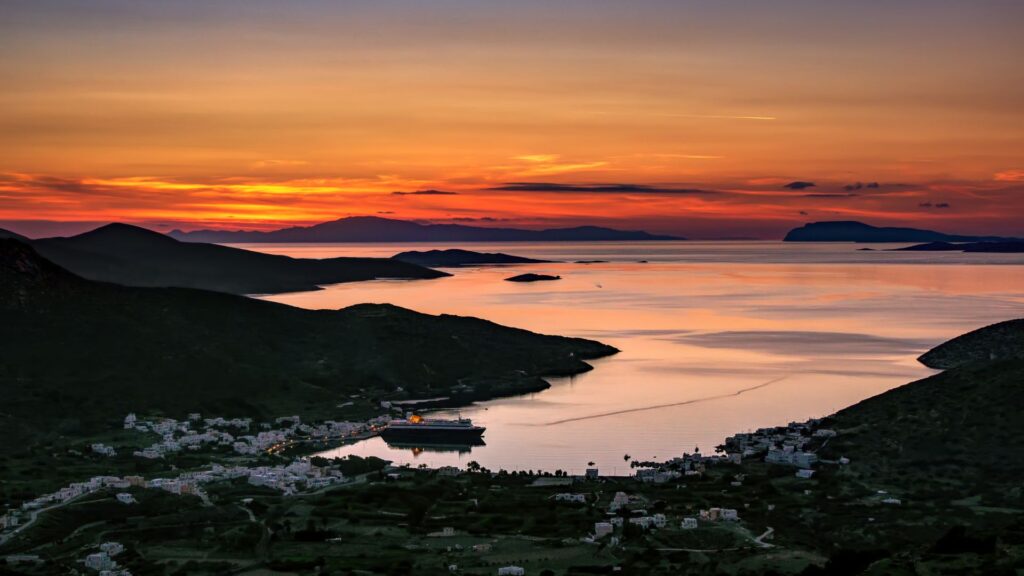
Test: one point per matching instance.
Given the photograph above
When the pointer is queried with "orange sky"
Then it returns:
(674, 116)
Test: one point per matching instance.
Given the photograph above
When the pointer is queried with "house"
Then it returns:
(892, 501)
(804, 473)
(574, 498)
(481, 548)
(620, 500)
(125, 498)
(511, 571)
(602, 529)
(592, 474)
(99, 561)
(448, 531)
(688, 524)
(112, 548)
(129, 421)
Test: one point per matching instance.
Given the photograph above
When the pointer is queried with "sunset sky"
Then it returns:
(673, 116)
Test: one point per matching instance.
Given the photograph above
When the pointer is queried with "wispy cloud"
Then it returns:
(430, 192)
(617, 188)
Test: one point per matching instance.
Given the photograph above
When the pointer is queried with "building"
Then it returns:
(804, 473)
(574, 498)
(592, 474)
(511, 571)
(688, 524)
(99, 561)
(112, 548)
(125, 498)
(602, 529)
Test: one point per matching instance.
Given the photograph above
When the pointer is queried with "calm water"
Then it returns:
(716, 337)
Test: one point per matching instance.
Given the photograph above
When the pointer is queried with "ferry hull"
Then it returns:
(467, 436)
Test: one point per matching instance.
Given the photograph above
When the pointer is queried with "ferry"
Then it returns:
(417, 428)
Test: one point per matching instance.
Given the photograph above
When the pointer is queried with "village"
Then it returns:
(626, 511)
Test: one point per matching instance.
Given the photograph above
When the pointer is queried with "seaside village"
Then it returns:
(793, 446)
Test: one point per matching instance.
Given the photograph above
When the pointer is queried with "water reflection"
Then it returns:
(420, 447)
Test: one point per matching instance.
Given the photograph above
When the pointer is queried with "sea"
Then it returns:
(715, 337)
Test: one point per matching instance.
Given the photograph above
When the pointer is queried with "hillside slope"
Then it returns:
(1001, 341)
(135, 256)
(79, 354)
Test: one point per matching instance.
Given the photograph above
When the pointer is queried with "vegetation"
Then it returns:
(78, 355)
(134, 256)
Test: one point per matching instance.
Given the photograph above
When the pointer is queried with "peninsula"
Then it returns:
(135, 256)
(852, 231)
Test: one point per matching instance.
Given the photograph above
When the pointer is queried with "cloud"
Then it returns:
(942, 205)
(829, 195)
(939, 205)
(803, 213)
(860, 185)
(538, 157)
(1010, 176)
(425, 193)
(594, 188)
(798, 185)
(925, 205)
(480, 219)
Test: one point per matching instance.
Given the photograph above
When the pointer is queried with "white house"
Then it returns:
(125, 498)
(688, 523)
(602, 529)
(804, 473)
(511, 571)
(112, 548)
(99, 561)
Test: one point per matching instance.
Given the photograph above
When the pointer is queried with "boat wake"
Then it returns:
(669, 405)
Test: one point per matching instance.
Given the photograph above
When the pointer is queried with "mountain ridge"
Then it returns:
(376, 229)
(854, 231)
(134, 256)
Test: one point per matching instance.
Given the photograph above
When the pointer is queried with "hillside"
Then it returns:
(374, 229)
(852, 231)
(79, 354)
(135, 256)
(454, 258)
(955, 432)
(1009, 247)
(1002, 341)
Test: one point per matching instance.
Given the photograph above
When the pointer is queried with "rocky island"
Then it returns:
(532, 278)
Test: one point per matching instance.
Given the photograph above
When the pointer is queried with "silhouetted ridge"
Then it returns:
(135, 256)
(376, 229)
(853, 231)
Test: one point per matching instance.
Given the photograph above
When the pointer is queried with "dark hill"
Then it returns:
(1002, 341)
(532, 278)
(135, 256)
(952, 435)
(851, 231)
(1008, 247)
(77, 355)
(9, 234)
(454, 258)
(373, 229)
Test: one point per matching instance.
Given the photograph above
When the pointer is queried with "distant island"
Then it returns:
(134, 256)
(852, 231)
(454, 258)
(532, 278)
(374, 229)
(1007, 247)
